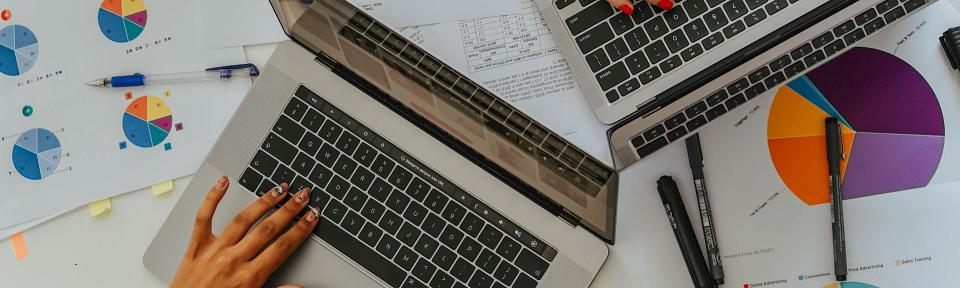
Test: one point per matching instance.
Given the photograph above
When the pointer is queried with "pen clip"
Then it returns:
(843, 151)
(225, 71)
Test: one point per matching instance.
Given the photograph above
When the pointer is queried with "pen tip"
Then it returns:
(95, 83)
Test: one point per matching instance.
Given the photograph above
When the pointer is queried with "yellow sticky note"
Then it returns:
(162, 187)
(19, 246)
(100, 207)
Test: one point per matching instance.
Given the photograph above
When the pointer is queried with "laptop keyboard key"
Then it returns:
(735, 9)
(264, 163)
(283, 175)
(597, 60)
(713, 41)
(352, 222)
(454, 213)
(391, 222)
(716, 112)
(717, 98)
(406, 258)
(654, 132)
(676, 41)
(250, 180)
(656, 28)
(370, 234)
(652, 146)
(481, 280)
(636, 62)
(588, 17)
(612, 76)
(462, 270)
(506, 273)
(426, 246)
(617, 49)
(408, 234)
(735, 102)
(508, 249)
(695, 7)
(532, 264)
(671, 64)
(330, 131)
(295, 108)
(472, 224)
(594, 38)
(364, 256)
(524, 281)
(715, 19)
(398, 201)
(372, 211)
(433, 225)
(844, 28)
(388, 246)
(488, 261)
(696, 109)
(777, 6)
(636, 38)
(490, 236)
(424, 269)
(676, 17)
(657, 51)
(696, 123)
(415, 214)
(442, 280)
(444, 258)
(628, 87)
(691, 52)
(734, 29)
(670, 123)
(834, 47)
(400, 177)
(676, 134)
(621, 22)
(451, 236)
(279, 148)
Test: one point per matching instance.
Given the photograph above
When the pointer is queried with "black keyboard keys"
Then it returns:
(588, 17)
(531, 263)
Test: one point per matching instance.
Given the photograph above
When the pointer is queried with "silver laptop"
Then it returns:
(422, 176)
(659, 76)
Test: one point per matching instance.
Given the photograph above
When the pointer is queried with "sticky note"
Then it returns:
(162, 187)
(19, 246)
(100, 207)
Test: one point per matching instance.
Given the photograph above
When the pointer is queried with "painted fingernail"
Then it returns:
(301, 196)
(665, 4)
(313, 216)
(223, 181)
(277, 191)
(626, 9)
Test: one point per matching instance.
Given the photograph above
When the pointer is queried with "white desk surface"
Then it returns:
(75, 250)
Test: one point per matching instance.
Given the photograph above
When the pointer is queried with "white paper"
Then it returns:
(517, 57)
(231, 23)
(767, 236)
(88, 120)
(406, 13)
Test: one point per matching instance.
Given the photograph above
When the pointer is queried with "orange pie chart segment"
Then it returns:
(802, 164)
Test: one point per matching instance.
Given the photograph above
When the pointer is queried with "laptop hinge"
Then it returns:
(569, 217)
(328, 62)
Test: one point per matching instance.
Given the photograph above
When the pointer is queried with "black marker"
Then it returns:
(695, 155)
(677, 214)
(834, 155)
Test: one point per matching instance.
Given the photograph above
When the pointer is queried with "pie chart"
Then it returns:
(122, 20)
(18, 50)
(36, 154)
(147, 121)
(892, 126)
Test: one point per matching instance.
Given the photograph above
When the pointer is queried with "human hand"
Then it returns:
(626, 6)
(237, 258)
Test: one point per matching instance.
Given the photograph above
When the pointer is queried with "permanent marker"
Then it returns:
(686, 238)
(695, 155)
(834, 155)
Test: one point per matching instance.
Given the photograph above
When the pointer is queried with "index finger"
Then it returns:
(201, 226)
(281, 249)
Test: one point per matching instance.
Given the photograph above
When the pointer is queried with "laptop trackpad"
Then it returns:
(313, 265)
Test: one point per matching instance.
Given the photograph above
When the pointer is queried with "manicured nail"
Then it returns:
(302, 195)
(222, 182)
(278, 191)
(665, 4)
(313, 216)
(626, 9)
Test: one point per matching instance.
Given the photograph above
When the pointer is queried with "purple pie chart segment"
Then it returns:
(877, 92)
(882, 163)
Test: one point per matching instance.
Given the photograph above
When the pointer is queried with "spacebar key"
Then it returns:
(360, 253)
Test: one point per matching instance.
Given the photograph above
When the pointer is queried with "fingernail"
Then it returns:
(223, 181)
(312, 216)
(626, 9)
(665, 4)
(301, 196)
(278, 191)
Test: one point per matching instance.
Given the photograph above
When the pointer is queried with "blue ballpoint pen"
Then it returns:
(215, 73)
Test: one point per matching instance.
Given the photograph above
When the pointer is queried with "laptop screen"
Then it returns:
(550, 170)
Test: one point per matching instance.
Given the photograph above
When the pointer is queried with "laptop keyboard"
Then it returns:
(627, 52)
(388, 212)
(772, 74)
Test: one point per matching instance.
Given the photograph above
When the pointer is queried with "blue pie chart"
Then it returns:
(18, 50)
(36, 154)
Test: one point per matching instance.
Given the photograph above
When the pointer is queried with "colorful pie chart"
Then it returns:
(147, 121)
(122, 21)
(18, 50)
(892, 126)
(36, 154)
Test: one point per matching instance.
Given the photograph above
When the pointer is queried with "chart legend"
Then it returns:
(19, 49)
(122, 21)
(36, 154)
(892, 127)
